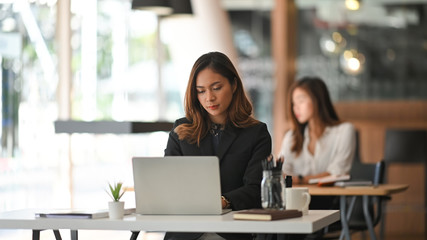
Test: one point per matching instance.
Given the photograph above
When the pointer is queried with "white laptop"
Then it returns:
(177, 185)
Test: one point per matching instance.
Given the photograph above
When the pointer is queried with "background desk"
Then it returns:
(315, 220)
(365, 192)
(380, 190)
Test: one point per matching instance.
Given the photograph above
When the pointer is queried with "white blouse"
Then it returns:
(334, 152)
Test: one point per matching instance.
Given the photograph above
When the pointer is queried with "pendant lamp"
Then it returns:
(160, 7)
(181, 7)
(164, 7)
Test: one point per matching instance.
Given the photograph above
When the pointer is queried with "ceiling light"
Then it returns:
(160, 7)
(181, 7)
(164, 7)
(352, 4)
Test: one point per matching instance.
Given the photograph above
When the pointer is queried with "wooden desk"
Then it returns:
(25, 219)
(380, 190)
(362, 191)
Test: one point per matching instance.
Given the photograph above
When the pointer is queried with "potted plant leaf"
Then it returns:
(116, 207)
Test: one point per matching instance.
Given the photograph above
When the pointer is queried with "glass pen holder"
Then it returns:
(272, 190)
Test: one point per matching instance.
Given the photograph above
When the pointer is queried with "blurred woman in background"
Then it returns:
(319, 144)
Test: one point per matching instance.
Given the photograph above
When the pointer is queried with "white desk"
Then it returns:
(25, 219)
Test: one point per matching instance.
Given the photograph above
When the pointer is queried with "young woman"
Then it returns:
(219, 122)
(319, 143)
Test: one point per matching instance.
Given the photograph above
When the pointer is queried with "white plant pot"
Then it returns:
(116, 210)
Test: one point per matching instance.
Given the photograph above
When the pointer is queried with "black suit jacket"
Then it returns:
(240, 152)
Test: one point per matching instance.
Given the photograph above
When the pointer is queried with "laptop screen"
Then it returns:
(177, 185)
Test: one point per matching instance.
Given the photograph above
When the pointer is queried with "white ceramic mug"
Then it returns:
(298, 198)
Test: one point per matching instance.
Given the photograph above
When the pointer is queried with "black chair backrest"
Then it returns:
(357, 157)
(379, 176)
(366, 171)
(374, 172)
(405, 145)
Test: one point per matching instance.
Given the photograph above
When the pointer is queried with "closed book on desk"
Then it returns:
(353, 183)
(266, 214)
(328, 180)
(78, 213)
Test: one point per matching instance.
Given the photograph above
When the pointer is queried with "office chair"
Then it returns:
(407, 146)
(367, 172)
(374, 172)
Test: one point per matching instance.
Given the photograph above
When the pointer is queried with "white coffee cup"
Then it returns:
(298, 198)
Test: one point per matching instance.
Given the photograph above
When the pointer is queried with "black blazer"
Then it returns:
(240, 152)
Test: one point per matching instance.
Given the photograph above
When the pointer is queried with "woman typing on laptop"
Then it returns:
(219, 122)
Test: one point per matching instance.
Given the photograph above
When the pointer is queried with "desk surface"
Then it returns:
(380, 190)
(315, 220)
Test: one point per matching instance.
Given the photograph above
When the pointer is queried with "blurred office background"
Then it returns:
(104, 61)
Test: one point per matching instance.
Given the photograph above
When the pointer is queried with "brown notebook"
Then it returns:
(266, 214)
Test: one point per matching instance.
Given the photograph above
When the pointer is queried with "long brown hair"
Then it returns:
(239, 112)
(323, 111)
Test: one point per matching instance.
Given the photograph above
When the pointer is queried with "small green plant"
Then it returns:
(116, 191)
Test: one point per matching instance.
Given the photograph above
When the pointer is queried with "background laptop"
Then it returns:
(177, 185)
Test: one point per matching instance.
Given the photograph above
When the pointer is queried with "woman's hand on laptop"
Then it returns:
(224, 202)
